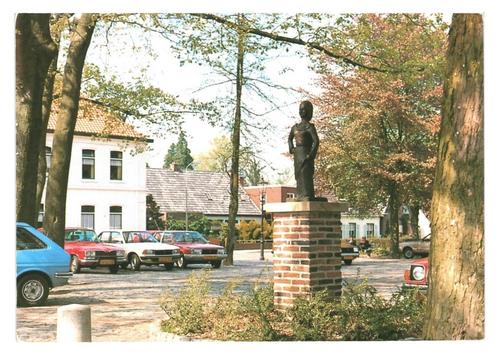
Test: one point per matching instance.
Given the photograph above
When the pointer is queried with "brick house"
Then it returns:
(352, 225)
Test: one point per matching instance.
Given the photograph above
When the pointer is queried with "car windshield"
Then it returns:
(138, 236)
(189, 236)
(80, 235)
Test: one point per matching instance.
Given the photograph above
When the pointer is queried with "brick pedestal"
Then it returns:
(306, 249)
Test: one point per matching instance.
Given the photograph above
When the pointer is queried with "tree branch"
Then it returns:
(297, 41)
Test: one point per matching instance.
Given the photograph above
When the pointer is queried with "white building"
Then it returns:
(357, 227)
(107, 176)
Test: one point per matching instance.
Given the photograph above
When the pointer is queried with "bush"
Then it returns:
(311, 318)
(258, 305)
(359, 314)
(364, 315)
(186, 313)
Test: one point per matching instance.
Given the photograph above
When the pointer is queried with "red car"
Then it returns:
(194, 247)
(417, 275)
(86, 252)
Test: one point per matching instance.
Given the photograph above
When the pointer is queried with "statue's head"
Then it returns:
(306, 110)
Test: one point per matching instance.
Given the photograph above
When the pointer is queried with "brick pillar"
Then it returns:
(306, 249)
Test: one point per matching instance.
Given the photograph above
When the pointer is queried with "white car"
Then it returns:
(141, 248)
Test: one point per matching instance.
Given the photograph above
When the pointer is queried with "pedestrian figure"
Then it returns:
(304, 151)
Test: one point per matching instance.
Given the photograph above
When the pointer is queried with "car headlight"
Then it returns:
(195, 251)
(221, 251)
(120, 253)
(90, 254)
(355, 249)
(176, 252)
(418, 273)
(147, 252)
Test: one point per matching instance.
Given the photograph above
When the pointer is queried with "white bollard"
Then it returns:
(74, 323)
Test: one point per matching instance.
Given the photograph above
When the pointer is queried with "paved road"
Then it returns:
(124, 305)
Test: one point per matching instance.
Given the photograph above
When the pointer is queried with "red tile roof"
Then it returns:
(94, 120)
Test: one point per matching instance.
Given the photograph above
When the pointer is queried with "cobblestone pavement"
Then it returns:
(125, 305)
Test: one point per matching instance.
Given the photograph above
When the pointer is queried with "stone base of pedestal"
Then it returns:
(306, 250)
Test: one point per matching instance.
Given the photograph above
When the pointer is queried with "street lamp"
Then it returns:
(262, 201)
(186, 196)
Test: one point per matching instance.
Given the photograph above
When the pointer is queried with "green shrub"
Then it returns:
(186, 314)
(258, 305)
(225, 315)
(311, 318)
(362, 314)
(359, 314)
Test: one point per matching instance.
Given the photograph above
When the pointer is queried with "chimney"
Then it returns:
(174, 167)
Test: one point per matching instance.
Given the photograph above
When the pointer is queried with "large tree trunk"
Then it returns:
(414, 223)
(34, 51)
(46, 109)
(55, 199)
(234, 171)
(455, 307)
(394, 207)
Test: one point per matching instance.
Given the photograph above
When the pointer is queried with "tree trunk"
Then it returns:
(455, 308)
(414, 211)
(55, 199)
(394, 219)
(46, 109)
(234, 171)
(34, 51)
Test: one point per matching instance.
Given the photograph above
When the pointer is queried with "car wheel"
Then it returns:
(216, 264)
(114, 269)
(181, 263)
(135, 262)
(169, 266)
(32, 290)
(408, 252)
(348, 262)
(75, 264)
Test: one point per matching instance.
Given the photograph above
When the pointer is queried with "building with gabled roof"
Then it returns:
(206, 193)
(106, 184)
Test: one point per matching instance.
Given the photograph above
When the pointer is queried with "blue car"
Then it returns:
(41, 265)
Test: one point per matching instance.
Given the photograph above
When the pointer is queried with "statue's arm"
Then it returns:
(291, 140)
(316, 142)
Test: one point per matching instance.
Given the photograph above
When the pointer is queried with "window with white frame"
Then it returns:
(88, 216)
(48, 156)
(88, 164)
(115, 217)
(116, 165)
(290, 195)
(370, 229)
(352, 230)
(41, 215)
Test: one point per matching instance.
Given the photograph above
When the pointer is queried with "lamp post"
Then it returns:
(186, 196)
(262, 200)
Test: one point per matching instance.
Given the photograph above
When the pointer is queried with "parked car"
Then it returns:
(416, 276)
(410, 248)
(86, 251)
(348, 252)
(195, 248)
(141, 248)
(41, 266)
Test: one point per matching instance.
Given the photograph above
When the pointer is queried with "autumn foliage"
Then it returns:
(379, 130)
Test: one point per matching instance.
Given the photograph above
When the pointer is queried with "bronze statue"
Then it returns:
(304, 151)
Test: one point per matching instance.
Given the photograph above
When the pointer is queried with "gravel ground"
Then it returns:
(125, 306)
